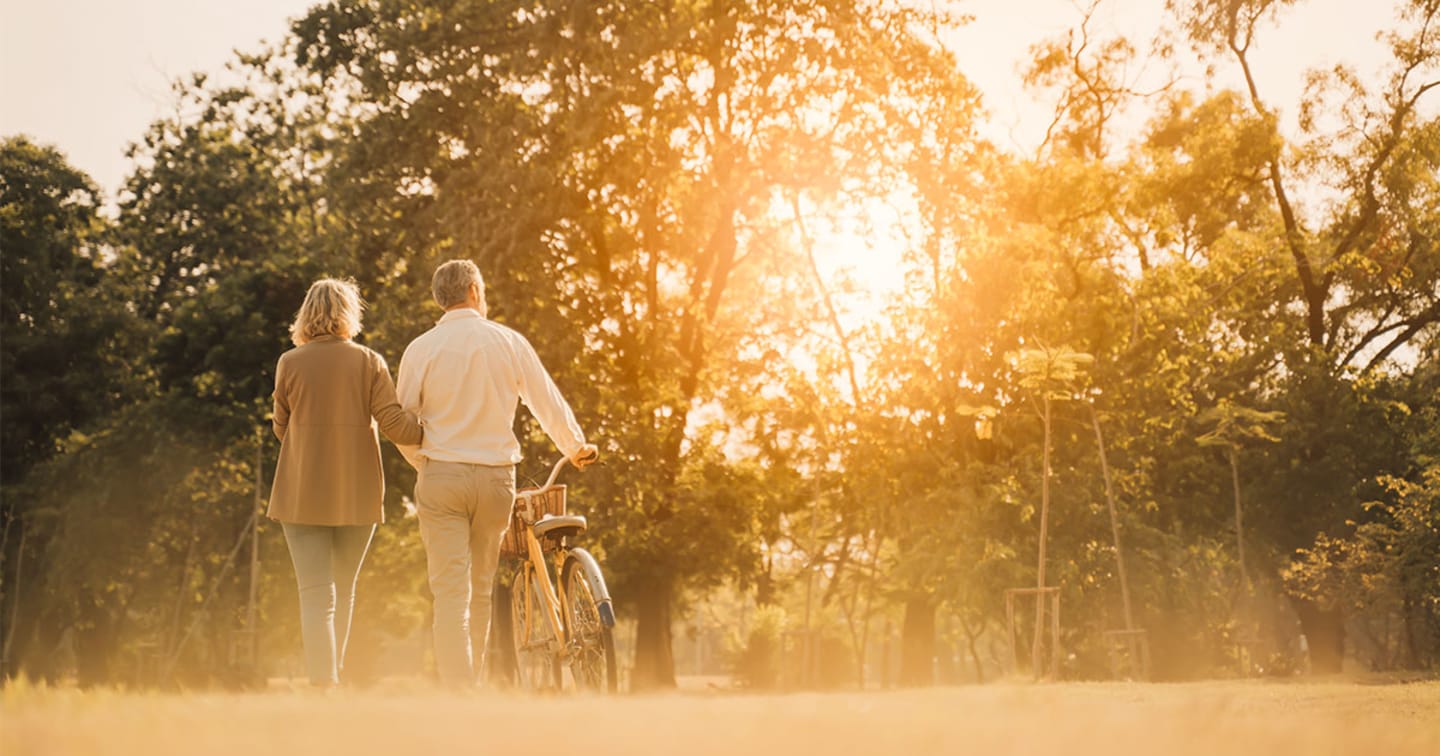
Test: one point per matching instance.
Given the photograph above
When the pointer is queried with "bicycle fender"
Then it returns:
(597, 581)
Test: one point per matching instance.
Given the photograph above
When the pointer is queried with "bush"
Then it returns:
(757, 663)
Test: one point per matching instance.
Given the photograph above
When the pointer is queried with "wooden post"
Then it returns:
(251, 616)
(225, 568)
(1133, 648)
(1137, 643)
(1010, 618)
(1114, 522)
(1055, 635)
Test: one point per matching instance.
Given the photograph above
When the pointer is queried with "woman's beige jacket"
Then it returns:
(330, 395)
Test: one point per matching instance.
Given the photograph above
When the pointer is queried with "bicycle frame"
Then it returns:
(555, 606)
(556, 603)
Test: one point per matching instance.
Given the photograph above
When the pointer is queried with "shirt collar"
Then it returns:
(326, 337)
(460, 313)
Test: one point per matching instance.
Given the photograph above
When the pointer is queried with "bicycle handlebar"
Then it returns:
(555, 471)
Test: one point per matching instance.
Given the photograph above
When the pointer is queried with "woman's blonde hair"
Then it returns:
(332, 308)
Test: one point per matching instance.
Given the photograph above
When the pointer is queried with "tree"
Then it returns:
(1051, 374)
(59, 327)
(1385, 194)
(63, 340)
(1385, 568)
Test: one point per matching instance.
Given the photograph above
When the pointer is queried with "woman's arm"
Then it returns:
(280, 419)
(398, 424)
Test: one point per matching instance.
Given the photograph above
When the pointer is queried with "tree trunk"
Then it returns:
(654, 660)
(971, 635)
(917, 643)
(765, 583)
(1239, 514)
(1044, 527)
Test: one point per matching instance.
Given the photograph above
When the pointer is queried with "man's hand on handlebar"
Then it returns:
(584, 456)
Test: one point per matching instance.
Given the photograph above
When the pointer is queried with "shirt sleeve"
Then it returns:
(398, 424)
(280, 418)
(407, 389)
(542, 396)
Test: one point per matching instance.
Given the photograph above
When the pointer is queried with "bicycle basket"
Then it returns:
(551, 502)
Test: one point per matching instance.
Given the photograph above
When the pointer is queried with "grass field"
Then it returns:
(1073, 719)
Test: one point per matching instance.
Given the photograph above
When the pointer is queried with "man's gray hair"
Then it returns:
(451, 284)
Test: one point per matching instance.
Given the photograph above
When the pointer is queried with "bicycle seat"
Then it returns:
(559, 526)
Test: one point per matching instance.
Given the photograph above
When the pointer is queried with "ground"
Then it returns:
(1076, 719)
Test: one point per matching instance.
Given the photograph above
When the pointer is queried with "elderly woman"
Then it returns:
(330, 394)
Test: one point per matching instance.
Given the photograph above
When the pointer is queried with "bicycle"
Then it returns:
(550, 632)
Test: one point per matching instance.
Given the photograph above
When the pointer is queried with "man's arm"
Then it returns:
(407, 389)
(542, 396)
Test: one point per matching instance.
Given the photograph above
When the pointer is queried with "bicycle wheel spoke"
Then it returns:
(592, 654)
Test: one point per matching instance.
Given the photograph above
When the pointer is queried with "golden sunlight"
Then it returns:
(860, 256)
(1007, 376)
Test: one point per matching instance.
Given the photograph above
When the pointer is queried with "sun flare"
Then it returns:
(860, 254)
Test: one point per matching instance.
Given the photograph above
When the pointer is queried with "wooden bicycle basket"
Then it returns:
(551, 502)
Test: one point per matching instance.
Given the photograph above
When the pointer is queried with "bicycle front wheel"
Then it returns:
(592, 644)
(537, 666)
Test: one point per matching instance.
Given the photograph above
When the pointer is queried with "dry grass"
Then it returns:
(1073, 719)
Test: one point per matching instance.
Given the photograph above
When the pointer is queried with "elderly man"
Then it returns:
(463, 378)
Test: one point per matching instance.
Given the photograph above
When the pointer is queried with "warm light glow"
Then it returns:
(860, 251)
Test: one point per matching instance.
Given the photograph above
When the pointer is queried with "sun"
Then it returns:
(860, 255)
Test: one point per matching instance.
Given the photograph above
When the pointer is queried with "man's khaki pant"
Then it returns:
(464, 510)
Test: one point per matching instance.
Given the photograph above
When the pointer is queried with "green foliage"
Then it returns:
(1385, 570)
(61, 326)
(1052, 372)
(1232, 425)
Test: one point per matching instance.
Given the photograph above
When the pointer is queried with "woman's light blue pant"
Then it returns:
(327, 563)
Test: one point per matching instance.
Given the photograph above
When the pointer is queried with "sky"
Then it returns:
(88, 76)
(1315, 33)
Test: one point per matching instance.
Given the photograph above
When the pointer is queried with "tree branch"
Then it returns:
(1414, 326)
(1314, 292)
(830, 310)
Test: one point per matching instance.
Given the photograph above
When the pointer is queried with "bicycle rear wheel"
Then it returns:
(537, 666)
(592, 644)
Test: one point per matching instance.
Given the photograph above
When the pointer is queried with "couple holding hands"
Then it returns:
(451, 415)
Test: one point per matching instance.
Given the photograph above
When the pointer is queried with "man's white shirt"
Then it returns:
(463, 379)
